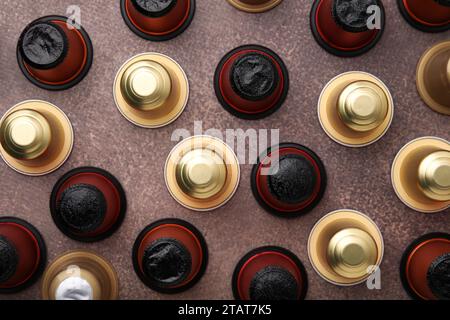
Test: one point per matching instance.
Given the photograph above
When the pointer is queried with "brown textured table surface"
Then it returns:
(358, 178)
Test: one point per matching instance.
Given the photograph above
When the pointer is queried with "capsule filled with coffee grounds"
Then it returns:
(170, 256)
(158, 20)
(54, 53)
(251, 82)
(88, 204)
(347, 28)
(426, 15)
(269, 274)
(425, 267)
(23, 254)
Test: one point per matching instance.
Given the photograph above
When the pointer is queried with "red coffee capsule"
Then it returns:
(426, 15)
(88, 204)
(54, 54)
(251, 82)
(289, 180)
(269, 273)
(23, 254)
(170, 256)
(158, 20)
(425, 267)
(342, 27)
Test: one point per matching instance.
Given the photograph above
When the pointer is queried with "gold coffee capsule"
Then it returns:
(80, 275)
(202, 173)
(355, 109)
(36, 137)
(151, 90)
(345, 247)
(433, 77)
(421, 174)
(255, 6)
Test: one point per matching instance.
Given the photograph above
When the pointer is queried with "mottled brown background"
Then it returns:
(358, 178)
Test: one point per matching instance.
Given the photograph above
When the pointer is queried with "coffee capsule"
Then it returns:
(433, 77)
(426, 15)
(151, 90)
(355, 109)
(88, 204)
(421, 174)
(202, 173)
(251, 82)
(345, 247)
(158, 20)
(425, 267)
(170, 256)
(80, 275)
(23, 255)
(254, 6)
(54, 53)
(36, 137)
(288, 180)
(347, 28)
(270, 274)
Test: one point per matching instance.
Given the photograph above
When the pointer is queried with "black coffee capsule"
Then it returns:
(54, 53)
(170, 256)
(347, 28)
(269, 274)
(158, 20)
(88, 204)
(289, 180)
(23, 255)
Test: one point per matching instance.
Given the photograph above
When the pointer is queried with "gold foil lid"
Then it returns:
(202, 173)
(36, 137)
(433, 77)
(25, 134)
(254, 6)
(355, 109)
(363, 106)
(420, 174)
(345, 247)
(151, 90)
(351, 252)
(80, 275)
(434, 175)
